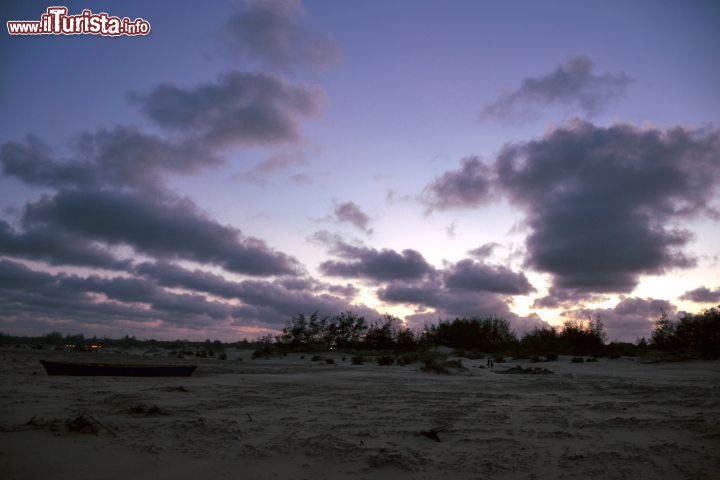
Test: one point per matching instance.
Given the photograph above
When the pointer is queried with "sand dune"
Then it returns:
(292, 418)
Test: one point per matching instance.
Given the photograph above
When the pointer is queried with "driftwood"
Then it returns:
(432, 434)
(518, 370)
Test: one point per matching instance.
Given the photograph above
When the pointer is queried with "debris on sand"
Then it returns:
(518, 370)
(177, 389)
(81, 424)
(146, 410)
(384, 457)
(432, 434)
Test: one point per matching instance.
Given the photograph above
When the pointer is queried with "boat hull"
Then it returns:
(116, 369)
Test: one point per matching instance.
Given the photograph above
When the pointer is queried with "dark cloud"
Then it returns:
(33, 163)
(126, 156)
(347, 291)
(572, 83)
(275, 301)
(630, 319)
(238, 109)
(601, 202)
(156, 225)
(158, 297)
(467, 288)
(484, 251)
(380, 265)
(351, 213)
(448, 302)
(53, 299)
(270, 32)
(120, 157)
(57, 248)
(702, 295)
(469, 186)
(475, 276)
(372, 264)
(566, 298)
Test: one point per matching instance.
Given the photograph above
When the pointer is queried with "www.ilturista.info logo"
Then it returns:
(56, 21)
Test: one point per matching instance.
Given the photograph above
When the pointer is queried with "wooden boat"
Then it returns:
(117, 369)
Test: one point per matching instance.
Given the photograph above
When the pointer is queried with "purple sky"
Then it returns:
(247, 161)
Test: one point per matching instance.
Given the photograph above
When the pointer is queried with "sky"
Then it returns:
(250, 160)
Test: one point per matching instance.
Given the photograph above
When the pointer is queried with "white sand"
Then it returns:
(290, 418)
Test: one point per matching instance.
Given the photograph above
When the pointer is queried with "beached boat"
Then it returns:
(117, 369)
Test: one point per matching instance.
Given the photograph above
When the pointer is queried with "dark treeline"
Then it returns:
(691, 333)
(79, 341)
(697, 335)
(349, 331)
(694, 335)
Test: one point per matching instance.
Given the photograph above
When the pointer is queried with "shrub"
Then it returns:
(577, 360)
(540, 342)
(385, 360)
(489, 334)
(264, 351)
(699, 333)
(382, 334)
(432, 365)
(551, 357)
(439, 366)
(316, 358)
(359, 360)
(222, 356)
(583, 338)
(330, 361)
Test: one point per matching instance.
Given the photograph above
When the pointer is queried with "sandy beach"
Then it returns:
(288, 417)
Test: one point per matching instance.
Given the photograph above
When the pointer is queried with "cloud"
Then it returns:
(448, 302)
(484, 251)
(238, 109)
(350, 212)
(475, 276)
(300, 179)
(271, 33)
(119, 157)
(266, 168)
(275, 301)
(32, 162)
(371, 264)
(566, 298)
(469, 186)
(145, 302)
(57, 248)
(379, 265)
(49, 299)
(630, 319)
(572, 83)
(702, 295)
(601, 201)
(158, 225)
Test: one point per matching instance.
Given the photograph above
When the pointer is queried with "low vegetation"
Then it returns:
(388, 341)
